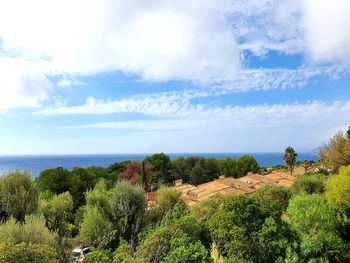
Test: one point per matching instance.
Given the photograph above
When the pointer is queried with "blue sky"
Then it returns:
(172, 76)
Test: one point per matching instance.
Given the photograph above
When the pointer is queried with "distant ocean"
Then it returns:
(37, 163)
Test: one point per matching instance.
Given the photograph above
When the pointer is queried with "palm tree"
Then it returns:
(289, 158)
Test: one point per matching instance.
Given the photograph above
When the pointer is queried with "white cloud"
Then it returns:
(22, 84)
(170, 103)
(160, 40)
(237, 129)
(318, 29)
(326, 24)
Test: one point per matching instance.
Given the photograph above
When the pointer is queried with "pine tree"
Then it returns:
(143, 176)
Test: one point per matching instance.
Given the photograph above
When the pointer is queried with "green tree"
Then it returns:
(289, 158)
(57, 211)
(177, 224)
(338, 189)
(96, 228)
(337, 152)
(124, 253)
(117, 168)
(80, 180)
(55, 180)
(144, 181)
(18, 195)
(228, 167)
(246, 164)
(312, 219)
(243, 231)
(184, 249)
(308, 184)
(161, 168)
(99, 256)
(272, 199)
(128, 203)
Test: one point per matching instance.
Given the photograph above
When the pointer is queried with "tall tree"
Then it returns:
(161, 168)
(18, 195)
(246, 164)
(143, 176)
(311, 217)
(290, 157)
(128, 203)
(337, 152)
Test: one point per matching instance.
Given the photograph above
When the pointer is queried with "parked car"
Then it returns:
(78, 254)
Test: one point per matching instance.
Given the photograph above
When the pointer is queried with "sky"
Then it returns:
(146, 76)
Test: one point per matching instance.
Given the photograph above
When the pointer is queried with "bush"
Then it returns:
(27, 252)
(308, 184)
(99, 256)
(32, 231)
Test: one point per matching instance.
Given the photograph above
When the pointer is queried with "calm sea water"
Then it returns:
(37, 163)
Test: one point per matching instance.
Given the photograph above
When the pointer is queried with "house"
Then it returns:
(232, 186)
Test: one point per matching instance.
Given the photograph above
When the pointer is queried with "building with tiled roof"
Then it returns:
(232, 186)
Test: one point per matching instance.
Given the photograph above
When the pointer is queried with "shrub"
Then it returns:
(27, 252)
(32, 231)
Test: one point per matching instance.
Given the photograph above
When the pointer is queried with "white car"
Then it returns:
(78, 254)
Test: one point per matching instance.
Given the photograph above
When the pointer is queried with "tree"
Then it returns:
(246, 164)
(96, 228)
(18, 195)
(308, 184)
(80, 180)
(161, 168)
(133, 171)
(290, 158)
(57, 210)
(312, 219)
(337, 152)
(128, 203)
(338, 189)
(228, 167)
(55, 180)
(99, 255)
(117, 168)
(124, 253)
(272, 199)
(163, 240)
(144, 181)
(184, 249)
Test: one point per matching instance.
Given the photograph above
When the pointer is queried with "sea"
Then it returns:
(37, 163)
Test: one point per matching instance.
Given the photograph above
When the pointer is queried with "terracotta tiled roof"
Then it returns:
(231, 186)
(213, 186)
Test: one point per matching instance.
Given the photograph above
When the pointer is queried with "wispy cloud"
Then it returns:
(177, 102)
(312, 114)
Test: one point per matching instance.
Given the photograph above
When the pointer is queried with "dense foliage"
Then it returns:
(105, 208)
